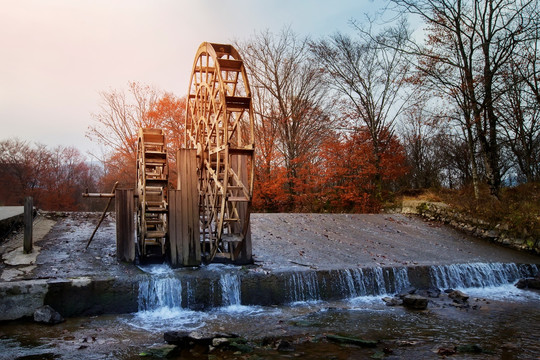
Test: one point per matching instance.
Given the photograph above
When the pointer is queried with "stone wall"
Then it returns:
(438, 211)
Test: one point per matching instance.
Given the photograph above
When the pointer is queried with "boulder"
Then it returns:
(351, 340)
(159, 351)
(415, 302)
(177, 337)
(458, 296)
(284, 345)
(192, 338)
(529, 283)
(46, 314)
(392, 301)
(406, 292)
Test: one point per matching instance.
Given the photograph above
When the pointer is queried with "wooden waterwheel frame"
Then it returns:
(220, 125)
(152, 183)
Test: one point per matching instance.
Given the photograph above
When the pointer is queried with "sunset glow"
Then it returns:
(58, 55)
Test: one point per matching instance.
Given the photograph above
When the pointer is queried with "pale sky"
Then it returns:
(57, 55)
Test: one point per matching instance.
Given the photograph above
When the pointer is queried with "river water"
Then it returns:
(500, 322)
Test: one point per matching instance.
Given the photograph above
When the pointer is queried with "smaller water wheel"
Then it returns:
(152, 183)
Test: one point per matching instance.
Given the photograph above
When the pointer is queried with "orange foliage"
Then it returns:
(345, 176)
(55, 178)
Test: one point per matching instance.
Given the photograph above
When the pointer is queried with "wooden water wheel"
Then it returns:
(219, 124)
(152, 183)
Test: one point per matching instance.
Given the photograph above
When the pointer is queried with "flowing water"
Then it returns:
(502, 321)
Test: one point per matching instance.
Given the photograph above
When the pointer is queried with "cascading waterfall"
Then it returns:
(189, 291)
(303, 286)
(230, 289)
(166, 291)
(373, 281)
(476, 275)
(158, 292)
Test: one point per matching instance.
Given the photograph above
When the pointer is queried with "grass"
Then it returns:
(517, 211)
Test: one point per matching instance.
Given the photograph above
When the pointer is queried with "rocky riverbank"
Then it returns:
(497, 233)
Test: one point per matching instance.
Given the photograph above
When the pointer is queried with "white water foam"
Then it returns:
(303, 286)
(230, 289)
(508, 293)
(162, 292)
(475, 275)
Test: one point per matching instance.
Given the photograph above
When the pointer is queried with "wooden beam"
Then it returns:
(28, 222)
(125, 226)
(104, 212)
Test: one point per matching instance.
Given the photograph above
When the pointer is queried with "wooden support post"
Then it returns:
(125, 226)
(28, 220)
(185, 249)
(243, 252)
(104, 213)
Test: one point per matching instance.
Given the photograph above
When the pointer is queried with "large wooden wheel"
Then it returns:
(152, 182)
(219, 124)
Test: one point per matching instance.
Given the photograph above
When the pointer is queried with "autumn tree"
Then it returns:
(22, 167)
(119, 119)
(55, 178)
(349, 176)
(291, 105)
(370, 78)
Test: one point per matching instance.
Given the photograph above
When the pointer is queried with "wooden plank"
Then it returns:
(125, 226)
(28, 224)
(230, 64)
(243, 251)
(186, 220)
(173, 231)
(191, 220)
(195, 249)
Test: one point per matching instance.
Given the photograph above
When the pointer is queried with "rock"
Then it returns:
(159, 351)
(415, 302)
(46, 314)
(470, 349)
(458, 296)
(177, 337)
(284, 345)
(392, 301)
(240, 345)
(184, 338)
(351, 340)
(218, 342)
(406, 292)
(430, 293)
(445, 351)
(529, 283)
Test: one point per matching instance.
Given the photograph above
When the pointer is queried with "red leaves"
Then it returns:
(346, 176)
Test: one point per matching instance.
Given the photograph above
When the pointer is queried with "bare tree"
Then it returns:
(420, 133)
(120, 117)
(291, 100)
(520, 116)
(474, 40)
(369, 73)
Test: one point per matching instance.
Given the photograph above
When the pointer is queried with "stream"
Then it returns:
(499, 321)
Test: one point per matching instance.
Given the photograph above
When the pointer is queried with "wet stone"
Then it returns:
(47, 315)
(415, 302)
(160, 351)
(285, 346)
(351, 340)
(529, 283)
(458, 296)
(392, 301)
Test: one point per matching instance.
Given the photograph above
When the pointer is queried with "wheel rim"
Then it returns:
(219, 124)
